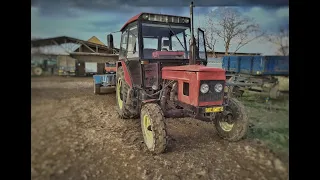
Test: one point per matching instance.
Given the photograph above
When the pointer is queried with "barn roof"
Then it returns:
(92, 43)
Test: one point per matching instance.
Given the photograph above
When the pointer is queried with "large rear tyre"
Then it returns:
(121, 95)
(153, 128)
(233, 127)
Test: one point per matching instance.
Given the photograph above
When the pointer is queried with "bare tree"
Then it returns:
(210, 36)
(281, 40)
(232, 27)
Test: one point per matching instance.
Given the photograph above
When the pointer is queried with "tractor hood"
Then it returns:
(192, 68)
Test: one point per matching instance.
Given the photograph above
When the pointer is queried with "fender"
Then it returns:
(126, 73)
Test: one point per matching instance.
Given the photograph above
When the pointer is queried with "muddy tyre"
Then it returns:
(153, 128)
(121, 95)
(235, 128)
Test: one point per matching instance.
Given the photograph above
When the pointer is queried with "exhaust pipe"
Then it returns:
(192, 58)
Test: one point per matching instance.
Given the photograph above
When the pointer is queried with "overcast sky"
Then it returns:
(84, 19)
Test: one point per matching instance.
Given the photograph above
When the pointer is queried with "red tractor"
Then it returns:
(158, 76)
(110, 68)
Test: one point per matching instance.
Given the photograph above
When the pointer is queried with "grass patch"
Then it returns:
(276, 139)
(269, 122)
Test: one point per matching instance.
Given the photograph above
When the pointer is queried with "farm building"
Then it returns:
(90, 51)
(47, 52)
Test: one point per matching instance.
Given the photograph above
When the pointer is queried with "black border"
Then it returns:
(16, 119)
(303, 63)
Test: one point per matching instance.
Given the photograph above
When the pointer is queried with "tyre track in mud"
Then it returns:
(78, 135)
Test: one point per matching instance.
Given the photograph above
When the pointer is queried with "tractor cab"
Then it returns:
(153, 37)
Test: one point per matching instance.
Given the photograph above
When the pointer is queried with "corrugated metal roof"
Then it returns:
(64, 40)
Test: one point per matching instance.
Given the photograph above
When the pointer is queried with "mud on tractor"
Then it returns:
(158, 76)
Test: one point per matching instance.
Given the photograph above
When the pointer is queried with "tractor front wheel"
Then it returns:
(153, 128)
(233, 126)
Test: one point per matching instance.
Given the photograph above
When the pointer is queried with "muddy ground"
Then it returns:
(78, 135)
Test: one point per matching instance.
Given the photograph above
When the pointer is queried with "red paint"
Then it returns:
(211, 103)
(126, 73)
(193, 74)
(194, 68)
(134, 18)
(157, 54)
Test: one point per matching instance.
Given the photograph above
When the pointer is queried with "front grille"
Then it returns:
(212, 95)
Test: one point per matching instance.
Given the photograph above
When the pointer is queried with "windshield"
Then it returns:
(165, 41)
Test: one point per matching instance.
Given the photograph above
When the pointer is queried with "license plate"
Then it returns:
(60, 70)
(71, 71)
(214, 109)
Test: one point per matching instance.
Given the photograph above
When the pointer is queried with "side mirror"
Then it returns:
(110, 41)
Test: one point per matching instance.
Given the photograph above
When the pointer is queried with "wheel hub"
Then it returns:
(229, 119)
(227, 123)
(147, 130)
(120, 102)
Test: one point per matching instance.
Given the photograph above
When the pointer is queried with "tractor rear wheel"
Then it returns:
(153, 128)
(233, 127)
(121, 95)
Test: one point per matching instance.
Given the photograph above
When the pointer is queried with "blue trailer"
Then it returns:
(104, 83)
(269, 74)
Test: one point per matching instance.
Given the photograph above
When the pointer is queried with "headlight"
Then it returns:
(204, 88)
(218, 87)
(186, 20)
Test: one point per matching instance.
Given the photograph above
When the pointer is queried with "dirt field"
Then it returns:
(78, 135)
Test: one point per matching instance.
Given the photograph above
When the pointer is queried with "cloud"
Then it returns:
(107, 4)
(269, 19)
(64, 7)
(84, 19)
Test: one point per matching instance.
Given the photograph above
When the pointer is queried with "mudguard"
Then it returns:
(126, 73)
